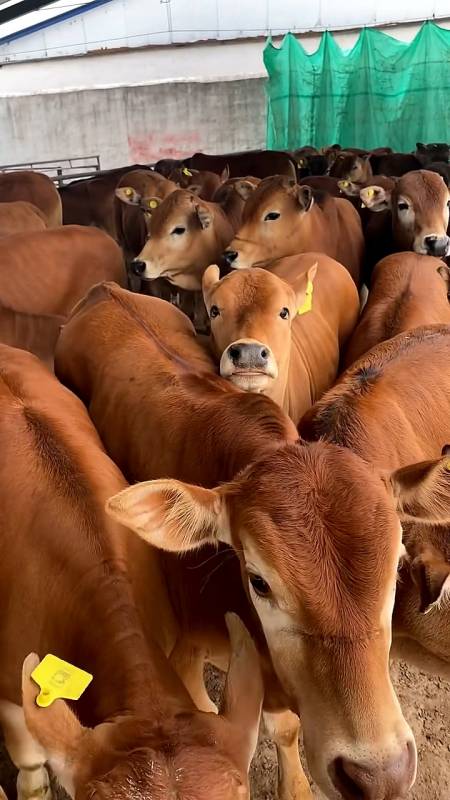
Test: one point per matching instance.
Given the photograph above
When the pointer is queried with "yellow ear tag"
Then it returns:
(370, 193)
(187, 172)
(345, 184)
(307, 305)
(57, 678)
(128, 192)
(153, 204)
(447, 466)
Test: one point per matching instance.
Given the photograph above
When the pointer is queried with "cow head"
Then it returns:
(251, 313)
(351, 167)
(157, 755)
(186, 234)
(437, 151)
(419, 203)
(318, 534)
(272, 222)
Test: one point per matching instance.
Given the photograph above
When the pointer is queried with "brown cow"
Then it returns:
(43, 275)
(391, 408)
(135, 190)
(232, 196)
(407, 291)
(20, 217)
(77, 585)
(199, 182)
(266, 336)
(90, 201)
(300, 517)
(351, 167)
(260, 163)
(186, 235)
(35, 188)
(419, 210)
(282, 218)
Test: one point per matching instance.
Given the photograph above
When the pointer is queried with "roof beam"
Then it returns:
(21, 8)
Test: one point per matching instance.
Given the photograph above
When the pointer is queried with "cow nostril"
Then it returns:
(138, 267)
(230, 256)
(359, 781)
(345, 782)
(264, 353)
(234, 352)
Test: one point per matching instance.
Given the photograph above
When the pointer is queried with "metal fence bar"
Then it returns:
(60, 169)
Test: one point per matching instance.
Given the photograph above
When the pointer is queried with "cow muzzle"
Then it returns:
(434, 245)
(363, 780)
(138, 268)
(249, 364)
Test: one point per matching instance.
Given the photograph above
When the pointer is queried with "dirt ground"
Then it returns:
(426, 705)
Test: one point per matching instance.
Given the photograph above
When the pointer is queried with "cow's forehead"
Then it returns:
(252, 286)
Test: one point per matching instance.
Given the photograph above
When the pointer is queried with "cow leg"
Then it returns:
(25, 753)
(188, 661)
(283, 728)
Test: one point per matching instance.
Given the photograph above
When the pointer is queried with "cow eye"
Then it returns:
(260, 586)
(448, 203)
(214, 312)
(402, 206)
(178, 231)
(284, 313)
(271, 216)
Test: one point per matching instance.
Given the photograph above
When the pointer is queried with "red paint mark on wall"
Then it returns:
(153, 146)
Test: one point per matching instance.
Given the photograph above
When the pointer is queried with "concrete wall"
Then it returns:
(134, 124)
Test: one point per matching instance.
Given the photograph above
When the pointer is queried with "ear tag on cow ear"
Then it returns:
(152, 203)
(59, 679)
(187, 172)
(307, 304)
(370, 192)
(128, 192)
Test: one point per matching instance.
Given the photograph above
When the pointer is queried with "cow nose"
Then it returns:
(138, 267)
(436, 245)
(359, 781)
(249, 355)
(230, 256)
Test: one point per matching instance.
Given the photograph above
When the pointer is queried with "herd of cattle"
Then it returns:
(272, 498)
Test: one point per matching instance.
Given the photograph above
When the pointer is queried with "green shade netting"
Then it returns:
(382, 92)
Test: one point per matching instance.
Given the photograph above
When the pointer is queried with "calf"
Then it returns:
(20, 217)
(186, 235)
(201, 183)
(297, 516)
(407, 291)
(232, 196)
(44, 274)
(281, 331)
(391, 408)
(77, 585)
(134, 197)
(282, 218)
(35, 188)
(419, 207)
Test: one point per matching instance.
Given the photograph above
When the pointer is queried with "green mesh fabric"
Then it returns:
(380, 93)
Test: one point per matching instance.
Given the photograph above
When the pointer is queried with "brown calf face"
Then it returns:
(319, 542)
(186, 234)
(251, 313)
(351, 167)
(273, 218)
(420, 213)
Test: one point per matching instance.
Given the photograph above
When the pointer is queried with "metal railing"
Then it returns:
(60, 170)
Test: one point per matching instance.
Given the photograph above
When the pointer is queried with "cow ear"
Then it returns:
(211, 277)
(422, 491)
(195, 188)
(172, 515)
(128, 195)
(203, 215)
(431, 574)
(348, 188)
(225, 174)
(304, 196)
(244, 188)
(376, 198)
(444, 272)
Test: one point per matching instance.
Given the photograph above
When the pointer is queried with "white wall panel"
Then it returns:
(134, 23)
